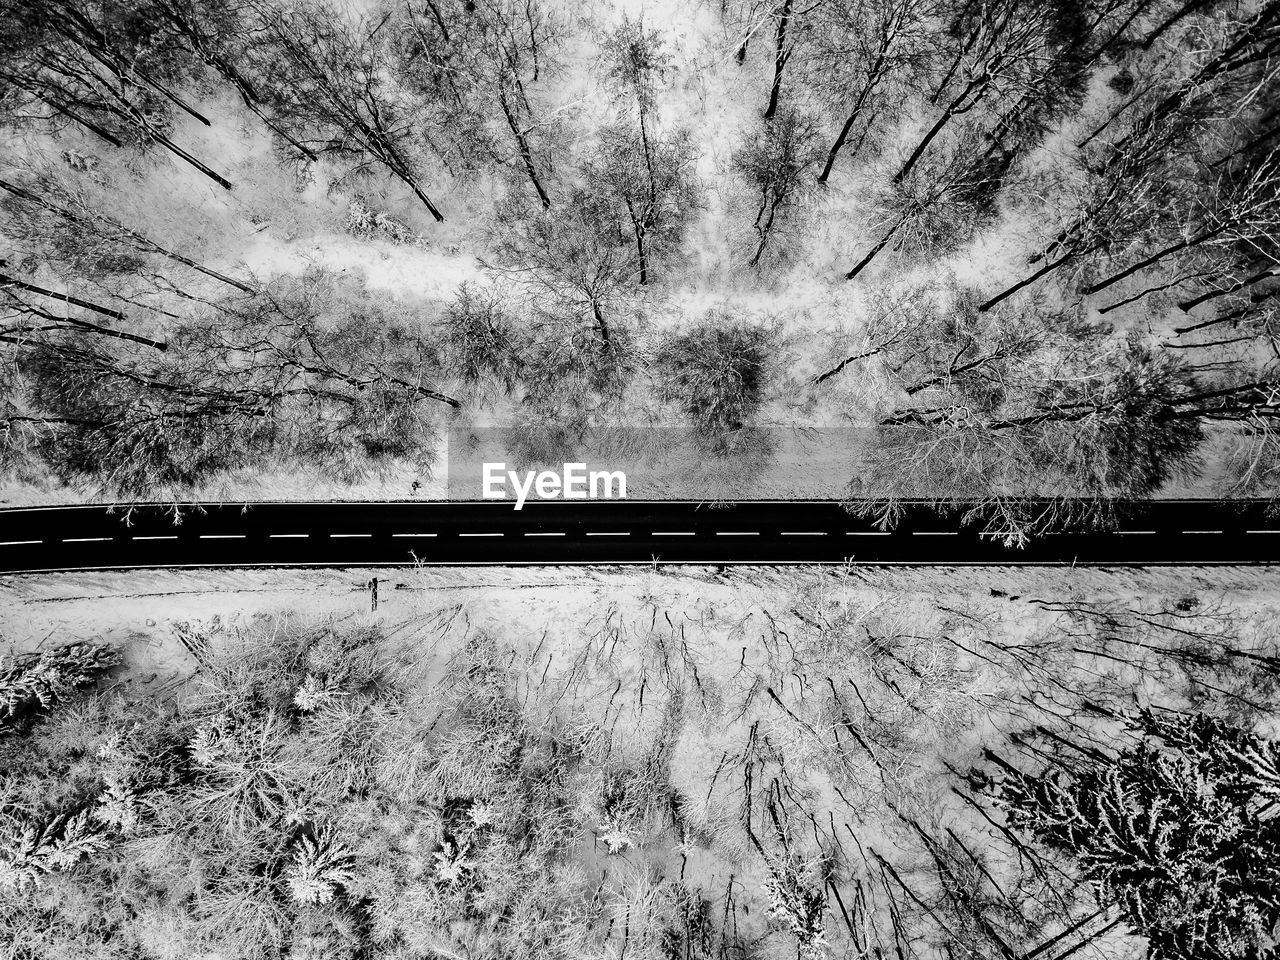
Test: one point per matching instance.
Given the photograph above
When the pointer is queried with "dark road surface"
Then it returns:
(558, 532)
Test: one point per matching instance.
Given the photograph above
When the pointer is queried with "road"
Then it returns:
(97, 537)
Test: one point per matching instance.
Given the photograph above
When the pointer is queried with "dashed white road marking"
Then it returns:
(673, 533)
(85, 539)
(19, 543)
(1262, 531)
(934, 533)
(737, 533)
(1135, 533)
(413, 535)
(288, 536)
(804, 533)
(544, 534)
(348, 536)
(1202, 531)
(480, 534)
(166, 537)
(621, 533)
(868, 533)
(222, 536)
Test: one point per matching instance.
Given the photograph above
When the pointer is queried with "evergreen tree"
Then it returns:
(37, 681)
(1178, 831)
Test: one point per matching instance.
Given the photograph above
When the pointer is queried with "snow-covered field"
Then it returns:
(731, 665)
(140, 608)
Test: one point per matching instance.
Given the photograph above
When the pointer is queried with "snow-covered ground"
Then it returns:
(141, 607)
(283, 218)
(730, 655)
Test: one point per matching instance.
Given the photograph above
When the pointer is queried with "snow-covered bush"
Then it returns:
(30, 849)
(320, 866)
(369, 224)
(797, 895)
(37, 681)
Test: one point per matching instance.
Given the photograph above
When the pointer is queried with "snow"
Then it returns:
(282, 217)
(405, 271)
(633, 648)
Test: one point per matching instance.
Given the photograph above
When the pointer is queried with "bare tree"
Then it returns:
(776, 161)
(1243, 209)
(1133, 183)
(1130, 191)
(483, 342)
(282, 371)
(99, 66)
(326, 81)
(218, 34)
(1000, 56)
(90, 238)
(1036, 406)
(649, 180)
(944, 202)
(574, 271)
(860, 56)
(471, 65)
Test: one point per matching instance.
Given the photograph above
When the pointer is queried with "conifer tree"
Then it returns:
(1178, 830)
(37, 681)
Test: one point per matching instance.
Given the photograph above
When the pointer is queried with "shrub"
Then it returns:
(38, 681)
(481, 341)
(321, 864)
(30, 848)
(718, 374)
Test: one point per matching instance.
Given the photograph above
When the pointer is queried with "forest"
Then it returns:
(1029, 245)
(279, 249)
(673, 767)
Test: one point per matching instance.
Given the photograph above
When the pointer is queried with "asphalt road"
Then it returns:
(101, 537)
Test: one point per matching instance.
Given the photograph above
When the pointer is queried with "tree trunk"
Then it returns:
(956, 106)
(67, 112)
(1175, 282)
(1113, 116)
(763, 230)
(1188, 305)
(601, 327)
(179, 152)
(1261, 138)
(1242, 312)
(1153, 259)
(873, 81)
(1236, 55)
(1119, 31)
(861, 264)
(6, 281)
(1047, 268)
(61, 323)
(525, 154)
(1187, 8)
(146, 243)
(779, 60)
(960, 54)
(638, 228)
(827, 375)
(199, 45)
(426, 201)
(841, 137)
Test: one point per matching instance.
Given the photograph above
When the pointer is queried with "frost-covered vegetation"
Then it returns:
(801, 770)
(1029, 244)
